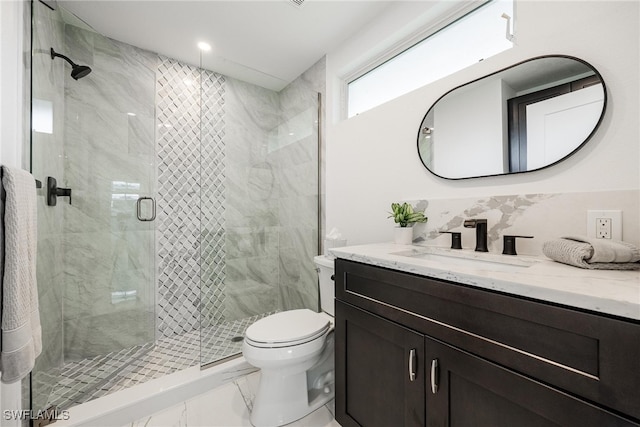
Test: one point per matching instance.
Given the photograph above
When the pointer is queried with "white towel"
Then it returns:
(608, 250)
(585, 252)
(21, 331)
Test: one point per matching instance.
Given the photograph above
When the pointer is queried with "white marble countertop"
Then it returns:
(605, 291)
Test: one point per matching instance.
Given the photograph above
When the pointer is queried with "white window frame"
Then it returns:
(446, 19)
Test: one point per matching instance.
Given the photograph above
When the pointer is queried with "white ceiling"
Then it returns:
(268, 42)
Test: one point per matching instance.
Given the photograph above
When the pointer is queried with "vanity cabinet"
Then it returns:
(381, 379)
(415, 351)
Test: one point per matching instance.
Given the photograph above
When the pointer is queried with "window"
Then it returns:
(472, 38)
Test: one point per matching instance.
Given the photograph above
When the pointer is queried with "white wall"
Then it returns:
(474, 115)
(11, 131)
(372, 158)
(11, 27)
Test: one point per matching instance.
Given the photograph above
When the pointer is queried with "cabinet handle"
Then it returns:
(412, 364)
(434, 376)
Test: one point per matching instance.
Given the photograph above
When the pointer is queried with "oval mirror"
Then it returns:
(523, 118)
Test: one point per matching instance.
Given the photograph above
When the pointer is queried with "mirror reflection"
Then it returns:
(524, 118)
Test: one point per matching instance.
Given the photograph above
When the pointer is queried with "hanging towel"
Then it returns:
(595, 254)
(21, 338)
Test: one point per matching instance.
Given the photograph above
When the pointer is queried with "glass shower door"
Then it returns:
(96, 247)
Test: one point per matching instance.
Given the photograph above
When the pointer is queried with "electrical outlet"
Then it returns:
(603, 224)
(603, 228)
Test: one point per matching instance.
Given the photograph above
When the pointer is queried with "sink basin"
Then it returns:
(474, 260)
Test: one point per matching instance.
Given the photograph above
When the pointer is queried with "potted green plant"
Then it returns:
(405, 216)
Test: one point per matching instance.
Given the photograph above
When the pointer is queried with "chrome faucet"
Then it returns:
(481, 233)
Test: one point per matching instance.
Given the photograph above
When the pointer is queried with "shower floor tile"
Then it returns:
(88, 379)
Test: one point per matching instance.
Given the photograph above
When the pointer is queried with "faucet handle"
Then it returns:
(509, 247)
(456, 239)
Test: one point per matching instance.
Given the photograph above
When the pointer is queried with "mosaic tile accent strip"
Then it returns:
(181, 200)
(178, 216)
(213, 200)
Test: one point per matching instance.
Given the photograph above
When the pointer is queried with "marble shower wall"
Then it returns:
(252, 224)
(109, 161)
(299, 204)
(526, 214)
(272, 195)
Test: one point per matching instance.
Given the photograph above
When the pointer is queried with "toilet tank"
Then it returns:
(325, 269)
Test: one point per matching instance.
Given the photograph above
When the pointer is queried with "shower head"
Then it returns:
(77, 71)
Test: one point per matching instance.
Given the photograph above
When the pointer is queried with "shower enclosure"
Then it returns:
(188, 209)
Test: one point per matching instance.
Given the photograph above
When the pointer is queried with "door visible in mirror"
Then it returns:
(524, 118)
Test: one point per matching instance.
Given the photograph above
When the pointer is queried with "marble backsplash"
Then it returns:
(543, 216)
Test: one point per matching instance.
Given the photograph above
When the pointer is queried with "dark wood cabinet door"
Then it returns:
(473, 392)
(374, 361)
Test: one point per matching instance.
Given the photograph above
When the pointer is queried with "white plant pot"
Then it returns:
(403, 235)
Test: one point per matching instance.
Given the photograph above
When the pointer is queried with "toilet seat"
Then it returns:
(287, 328)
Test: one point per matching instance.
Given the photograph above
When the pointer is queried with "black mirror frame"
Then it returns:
(595, 128)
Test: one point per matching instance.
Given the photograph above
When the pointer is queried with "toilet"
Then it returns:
(295, 351)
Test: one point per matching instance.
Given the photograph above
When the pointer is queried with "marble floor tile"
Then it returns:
(321, 417)
(247, 387)
(227, 406)
(223, 406)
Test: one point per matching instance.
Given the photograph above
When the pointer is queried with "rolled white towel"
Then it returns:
(585, 252)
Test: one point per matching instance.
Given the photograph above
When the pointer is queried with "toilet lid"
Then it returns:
(288, 328)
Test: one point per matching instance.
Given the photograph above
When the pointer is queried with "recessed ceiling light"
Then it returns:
(205, 47)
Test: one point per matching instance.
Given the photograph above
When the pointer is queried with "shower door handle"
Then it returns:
(139, 209)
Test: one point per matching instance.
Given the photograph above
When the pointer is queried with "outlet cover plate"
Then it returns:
(616, 222)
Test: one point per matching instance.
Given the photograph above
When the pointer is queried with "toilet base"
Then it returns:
(276, 409)
(284, 397)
